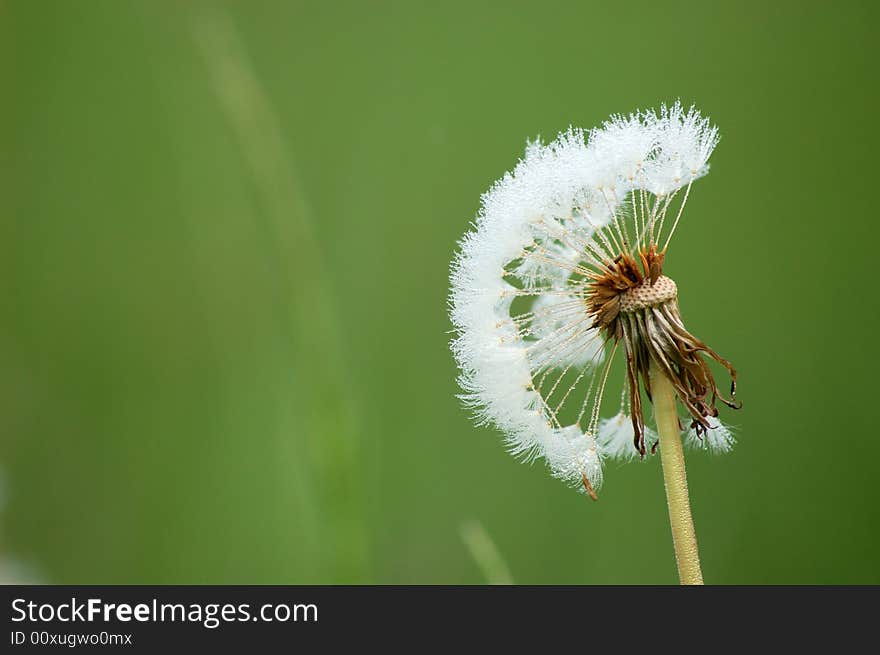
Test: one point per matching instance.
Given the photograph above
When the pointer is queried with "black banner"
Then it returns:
(327, 619)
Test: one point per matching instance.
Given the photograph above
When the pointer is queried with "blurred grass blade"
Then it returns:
(485, 553)
(327, 474)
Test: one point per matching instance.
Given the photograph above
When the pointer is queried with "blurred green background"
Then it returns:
(226, 232)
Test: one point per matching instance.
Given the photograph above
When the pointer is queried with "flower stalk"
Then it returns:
(684, 538)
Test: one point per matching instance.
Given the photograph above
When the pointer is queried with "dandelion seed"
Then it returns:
(563, 270)
(717, 438)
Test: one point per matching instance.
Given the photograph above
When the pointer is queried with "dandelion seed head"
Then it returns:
(563, 268)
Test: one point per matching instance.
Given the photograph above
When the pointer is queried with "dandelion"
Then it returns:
(561, 276)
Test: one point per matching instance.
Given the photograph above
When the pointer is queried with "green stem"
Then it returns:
(684, 539)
